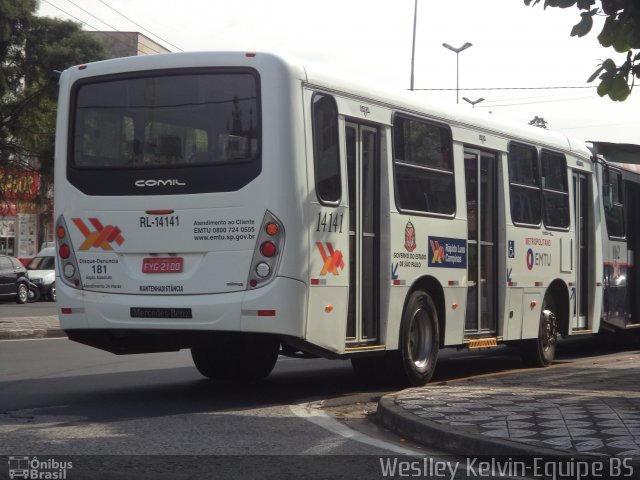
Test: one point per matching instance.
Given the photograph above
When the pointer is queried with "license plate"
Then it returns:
(154, 312)
(162, 265)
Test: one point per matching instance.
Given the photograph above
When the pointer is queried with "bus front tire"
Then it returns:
(540, 352)
(415, 360)
(248, 358)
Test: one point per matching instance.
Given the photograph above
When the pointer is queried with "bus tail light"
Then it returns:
(64, 251)
(268, 249)
(67, 263)
(268, 252)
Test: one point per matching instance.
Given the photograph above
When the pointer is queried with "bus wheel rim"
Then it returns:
(420, 340)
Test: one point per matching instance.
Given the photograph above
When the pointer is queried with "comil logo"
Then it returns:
(102, 237)
(170, 182)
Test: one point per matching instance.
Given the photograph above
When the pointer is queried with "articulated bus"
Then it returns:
(245, 206)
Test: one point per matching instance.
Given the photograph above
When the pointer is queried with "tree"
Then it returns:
(539, 122)
(31, 49)
(621, 31)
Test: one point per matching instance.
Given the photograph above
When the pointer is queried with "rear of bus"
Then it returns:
(178, 219)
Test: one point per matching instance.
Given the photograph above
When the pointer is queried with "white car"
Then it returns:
(42, 272)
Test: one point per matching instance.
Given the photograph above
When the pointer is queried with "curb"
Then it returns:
(23, 334)
(434, 435)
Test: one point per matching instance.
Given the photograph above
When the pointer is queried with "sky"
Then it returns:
(514, 46)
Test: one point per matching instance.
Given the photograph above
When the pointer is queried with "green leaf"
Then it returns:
(609, 65)
(609, 32)
(609, 7)
(605, 86)
(621, 43)
(619, 89)
(560, 3)
(634, 38)
(595, 74)
(584, 26)
(585, 4)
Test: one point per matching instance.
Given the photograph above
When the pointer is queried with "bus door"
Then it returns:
(581, 209)
(633, 249)
(482, 220)
(363, 171)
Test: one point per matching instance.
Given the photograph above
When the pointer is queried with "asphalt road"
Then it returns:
(60, 398)
(155, 414)
(13, 310)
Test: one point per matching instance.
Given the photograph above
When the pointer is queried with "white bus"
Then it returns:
(244, 206)
(618, 171)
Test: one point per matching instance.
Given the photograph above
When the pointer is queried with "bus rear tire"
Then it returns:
(245, 358)
(415, 360)
(541, 351)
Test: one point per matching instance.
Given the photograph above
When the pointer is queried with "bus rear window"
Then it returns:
(166, 120)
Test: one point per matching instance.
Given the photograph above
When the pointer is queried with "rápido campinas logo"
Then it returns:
(38, 469)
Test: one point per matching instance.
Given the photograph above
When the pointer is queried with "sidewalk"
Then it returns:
(30, 327)
(583, 408)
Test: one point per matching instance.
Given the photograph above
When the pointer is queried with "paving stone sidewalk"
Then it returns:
(585, 408)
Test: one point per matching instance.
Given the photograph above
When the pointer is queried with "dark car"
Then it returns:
(13, 280)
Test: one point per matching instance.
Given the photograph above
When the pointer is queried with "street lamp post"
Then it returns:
(457, 50)
(413, 45)
(473, 102)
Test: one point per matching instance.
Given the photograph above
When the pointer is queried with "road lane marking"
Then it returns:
(310, 412)
(31, 339)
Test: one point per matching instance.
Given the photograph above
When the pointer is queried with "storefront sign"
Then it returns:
(19, 185)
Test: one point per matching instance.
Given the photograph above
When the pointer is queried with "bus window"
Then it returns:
(555, 192)
(524, 180)
(210, 118)
(615, 215)
(423, 167)
(326, 149)
(200, 126)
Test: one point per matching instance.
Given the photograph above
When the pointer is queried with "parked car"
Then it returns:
(42, 272)
(14, 280)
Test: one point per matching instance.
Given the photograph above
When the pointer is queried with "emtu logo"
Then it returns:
(102, 237)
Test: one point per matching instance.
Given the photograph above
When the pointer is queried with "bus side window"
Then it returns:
(615, 215)
(555, 190)
(326, 149)
(524, 185)
(423, 166)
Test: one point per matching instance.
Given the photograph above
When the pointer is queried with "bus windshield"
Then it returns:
(166, 119)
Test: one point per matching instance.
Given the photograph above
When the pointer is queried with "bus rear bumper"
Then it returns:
(278, 308)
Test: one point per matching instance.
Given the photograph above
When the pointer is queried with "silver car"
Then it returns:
(42, 272)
